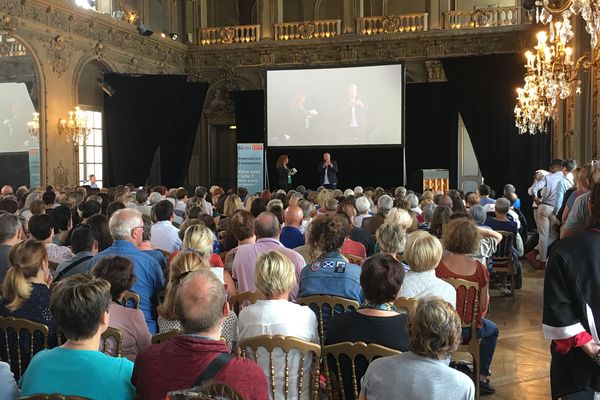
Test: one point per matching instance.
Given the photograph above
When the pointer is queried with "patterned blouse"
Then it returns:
(229, 330)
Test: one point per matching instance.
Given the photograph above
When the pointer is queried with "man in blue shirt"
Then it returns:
(291, 236)
(126, 227)
(484, 195)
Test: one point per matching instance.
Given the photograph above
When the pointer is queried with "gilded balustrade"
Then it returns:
(485, 17)
(392, 24)
(308, 29)
(229, 34)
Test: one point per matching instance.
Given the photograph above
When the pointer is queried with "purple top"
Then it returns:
(244, 263)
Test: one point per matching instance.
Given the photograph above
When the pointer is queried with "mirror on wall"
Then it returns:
(19, 116)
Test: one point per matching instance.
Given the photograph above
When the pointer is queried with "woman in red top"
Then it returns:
(461, 238)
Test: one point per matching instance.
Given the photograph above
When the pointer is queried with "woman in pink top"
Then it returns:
(461, 238)
(118, 271)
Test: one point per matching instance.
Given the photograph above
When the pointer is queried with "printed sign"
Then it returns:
(250, 166)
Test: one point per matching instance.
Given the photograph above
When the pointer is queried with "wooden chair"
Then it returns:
(111, 342)
(502, 259)
(330, 302)
(53, 396)
(164, 336)
(354, 259)
(405, 303)
(131, 298)
(18, 336)
(336, 384)
(239, 301)
(287, 344)
(469, 312)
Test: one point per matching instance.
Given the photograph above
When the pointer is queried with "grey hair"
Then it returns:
(358, 190)
(306, 206)
(412, 199)
(508, 188)
(154, 198)
(428, 211)
(9, 225)
(502, 206)
(273, 203)
(385, 203)
(32, 196)
(362, 204)
(96, 198)
(477, 214)
(123, 221)
(400, 191)
(348, 192)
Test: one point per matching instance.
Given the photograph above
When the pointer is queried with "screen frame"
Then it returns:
(291, 67)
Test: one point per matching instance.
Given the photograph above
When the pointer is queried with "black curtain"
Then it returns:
(484, 92)
(177, 145)
(250, 116)
(145, 112)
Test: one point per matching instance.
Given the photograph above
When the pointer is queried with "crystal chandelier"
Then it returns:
(588, 9)
(549, 78)
(33, 126)
(75, 128)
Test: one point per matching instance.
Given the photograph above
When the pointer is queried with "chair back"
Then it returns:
(467, 301)
(111, 342)
(164, 336)
(343, 375)
(20, 340)
(54, 396)
(326, 306)
(354, 259)
(131, 299)
(405, 303)
(239, 301)
(503, 252)
(298, 364)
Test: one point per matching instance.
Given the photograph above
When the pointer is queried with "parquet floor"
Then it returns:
(521, 365)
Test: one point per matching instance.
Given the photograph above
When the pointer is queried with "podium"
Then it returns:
(437, 180)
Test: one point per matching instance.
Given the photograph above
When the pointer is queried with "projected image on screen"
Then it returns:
(335, 106)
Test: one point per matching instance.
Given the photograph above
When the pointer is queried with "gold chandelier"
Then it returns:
(75, 128)
(33, 126)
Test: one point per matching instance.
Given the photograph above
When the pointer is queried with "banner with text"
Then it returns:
(250, 166)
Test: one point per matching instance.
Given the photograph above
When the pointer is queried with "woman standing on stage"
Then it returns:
(284, 174)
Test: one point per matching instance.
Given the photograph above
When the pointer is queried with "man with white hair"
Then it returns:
(362, 208)
(127, 227)
(358, 190)
(384, 205)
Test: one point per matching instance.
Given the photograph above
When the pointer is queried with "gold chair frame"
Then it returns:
(335, 387)
(502, 259)
(17, 325)
(286, 344)
(117, 336)
(133, 296)
(405, 303)
(236, 302)
(331, 301)
(165, 336)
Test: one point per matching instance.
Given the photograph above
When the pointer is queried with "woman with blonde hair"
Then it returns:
(391, 239)
(426, 198)
(182, 265)
(231, 205)
(25, 290)
(400, 217)
(275, 277)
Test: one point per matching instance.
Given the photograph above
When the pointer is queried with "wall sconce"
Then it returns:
(75, 128)
(33, 126)
(131, 17)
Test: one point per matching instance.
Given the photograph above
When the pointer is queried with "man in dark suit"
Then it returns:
(327, 172)
(384, 205)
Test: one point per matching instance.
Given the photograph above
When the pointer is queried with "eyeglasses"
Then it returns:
(137, 227)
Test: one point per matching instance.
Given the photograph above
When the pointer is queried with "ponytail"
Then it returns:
(25, 260)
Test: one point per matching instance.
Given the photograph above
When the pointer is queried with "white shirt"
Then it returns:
(8, 387)
(421, 284)
(548, 183)
(359, 219)
(207, 207)
(281, 317)
(164, 236)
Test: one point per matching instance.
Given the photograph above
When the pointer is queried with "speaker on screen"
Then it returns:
(250, 115)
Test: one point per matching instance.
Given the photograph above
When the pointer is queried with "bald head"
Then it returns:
(6, 190)
(199, 302)
(266, 225)
(293, 216)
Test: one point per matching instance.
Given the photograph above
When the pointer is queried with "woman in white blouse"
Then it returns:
(423, 253)
(275, 277)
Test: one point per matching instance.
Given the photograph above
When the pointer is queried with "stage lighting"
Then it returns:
(109, 90)
(163, 35)
(144, 30)
(173, 36)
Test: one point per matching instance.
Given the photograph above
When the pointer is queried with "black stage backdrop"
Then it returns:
(145, 112)
(484, 92)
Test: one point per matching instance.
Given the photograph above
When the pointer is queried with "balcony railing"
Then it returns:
(230, 34)
(11, 48)
(326, 28)
(392, 24)
(484, 17)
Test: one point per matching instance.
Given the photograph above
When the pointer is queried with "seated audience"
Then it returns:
(275, 277)
(362, 208)
(11, 234)
(85, 248)
(163, 234)
(126, 226)
(377, 321)
(384, 204)
(308, 209)
(423, 253)
(357, 234)
(291, 236)
(80, 305)
(351, 247)
(266, 227)
(428, 210)
(118, 271)
(460, 239)
(201, 307)
(330, 273)
(231, 205)
(9, 390)
(423, 372)
(62, 223)
(441, 216)
(242, 228)
(257, 206)
(146, 245)
(141, 200)
(99, 226)
(472, 200)
(183, 264)
(40, 227)
(391, 239)
(484, 195)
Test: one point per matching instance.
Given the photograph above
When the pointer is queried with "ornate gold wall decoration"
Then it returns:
(9, 24)
(99, 50)
(59, 55)
(435, 71)
(61, 176)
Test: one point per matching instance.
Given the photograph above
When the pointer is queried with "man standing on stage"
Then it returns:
(327, 172)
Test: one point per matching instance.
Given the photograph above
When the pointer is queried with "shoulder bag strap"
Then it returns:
(213, 368)
(70, 267)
